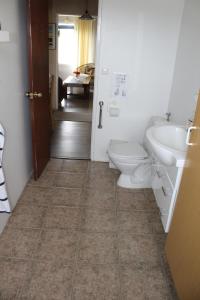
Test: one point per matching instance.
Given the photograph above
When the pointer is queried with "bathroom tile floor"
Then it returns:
(75, 235)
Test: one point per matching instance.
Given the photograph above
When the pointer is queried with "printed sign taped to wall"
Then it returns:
(119, 86)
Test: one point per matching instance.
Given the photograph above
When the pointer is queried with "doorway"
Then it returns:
(72, 120)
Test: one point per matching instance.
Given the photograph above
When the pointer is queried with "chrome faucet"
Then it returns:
(168, 115)
(189, 123)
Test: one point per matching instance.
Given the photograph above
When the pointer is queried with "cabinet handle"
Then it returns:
(164, 192)
(158, 173)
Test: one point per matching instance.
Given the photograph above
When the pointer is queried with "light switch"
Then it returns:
(105, 71)
(4, 36)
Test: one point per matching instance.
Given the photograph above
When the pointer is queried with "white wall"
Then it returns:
(140, 38)
(186, 82)
(14, 110)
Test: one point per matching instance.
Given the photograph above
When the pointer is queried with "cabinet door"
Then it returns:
(163, 189)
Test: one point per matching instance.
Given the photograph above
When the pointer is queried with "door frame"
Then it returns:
(96, 81)
(97, 76)
(54, 104)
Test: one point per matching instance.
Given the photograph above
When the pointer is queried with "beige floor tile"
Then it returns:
(98, 248)
(100, 182)
(168, 277)
(54, 165)
(47, 179)
(98, 198)
(65, 197)
(136, 201)
(70, 180)
(80, 223)
(50, 281)
(14, 274)
(94, 282)
(27, 216)
(149, 194)
(19, 243)
(102, 169)
(57, 245)
(75, 166)
(62, 217)
(34, 195)
(139, 222)
(127, 190)
(99, 220)
(144, 249)
(142, 283)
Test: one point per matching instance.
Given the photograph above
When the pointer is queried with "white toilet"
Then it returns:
(132, 160)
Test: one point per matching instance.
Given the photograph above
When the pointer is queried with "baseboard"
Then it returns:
(4, 217)
(3, 221)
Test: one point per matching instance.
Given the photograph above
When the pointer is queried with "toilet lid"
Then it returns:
(128, 149)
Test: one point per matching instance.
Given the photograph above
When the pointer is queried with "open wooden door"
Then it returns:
(39, 82)
(183, 241)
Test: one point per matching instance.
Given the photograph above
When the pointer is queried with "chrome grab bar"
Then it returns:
(100, 114)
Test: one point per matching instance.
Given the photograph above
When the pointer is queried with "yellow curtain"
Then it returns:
(86, 30)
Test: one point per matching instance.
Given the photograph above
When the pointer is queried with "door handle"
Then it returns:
(100, 114)
(189, 133)
(37, 95)
(31, 95)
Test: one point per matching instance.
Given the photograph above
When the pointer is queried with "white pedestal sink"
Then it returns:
(168, 142)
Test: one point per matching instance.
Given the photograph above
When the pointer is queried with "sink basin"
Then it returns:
(168, 142)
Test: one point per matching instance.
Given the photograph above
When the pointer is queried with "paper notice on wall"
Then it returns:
(119, 86)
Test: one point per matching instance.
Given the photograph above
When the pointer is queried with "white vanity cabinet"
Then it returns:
(165, 184)
(166, 143)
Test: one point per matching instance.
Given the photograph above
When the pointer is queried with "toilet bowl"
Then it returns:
(132, 161)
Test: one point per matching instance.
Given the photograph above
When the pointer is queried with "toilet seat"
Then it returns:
(129, 151)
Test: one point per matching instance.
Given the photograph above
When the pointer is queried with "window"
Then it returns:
(67, 45)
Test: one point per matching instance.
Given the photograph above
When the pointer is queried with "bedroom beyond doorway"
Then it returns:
(76, 68)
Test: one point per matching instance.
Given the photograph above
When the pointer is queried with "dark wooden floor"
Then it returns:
(76, 104)
(72, 134)
(75, 108)
(71, 140)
